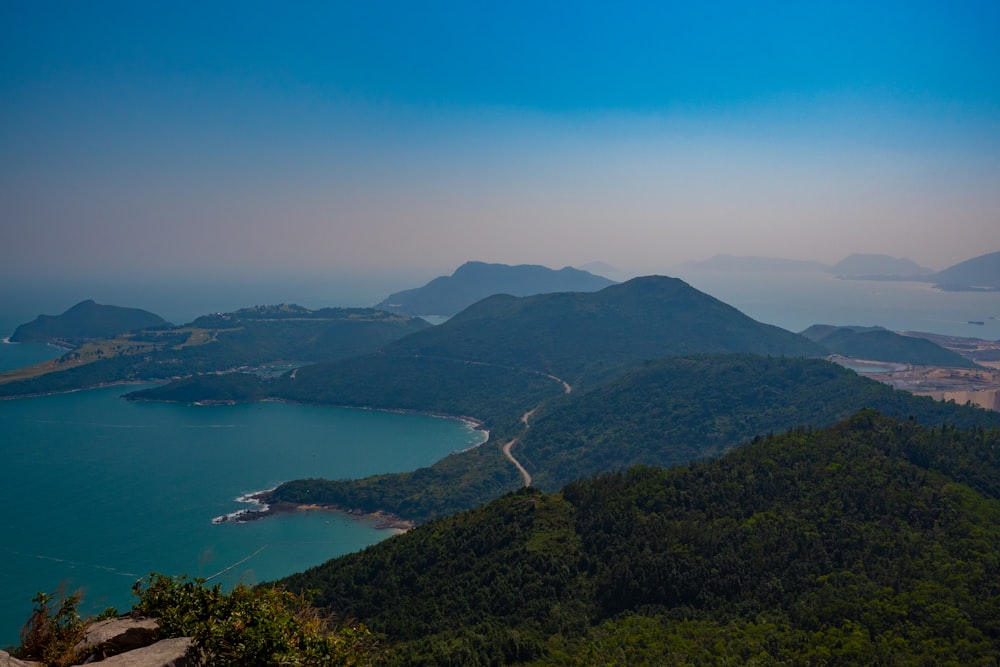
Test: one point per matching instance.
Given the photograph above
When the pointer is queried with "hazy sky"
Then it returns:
(263, 137)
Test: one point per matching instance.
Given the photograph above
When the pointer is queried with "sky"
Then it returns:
(251, 138)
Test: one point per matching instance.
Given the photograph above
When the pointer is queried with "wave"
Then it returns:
(73, 563)
(258, 509)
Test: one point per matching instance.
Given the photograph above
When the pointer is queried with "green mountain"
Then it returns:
(880, 344)
(871, 542)
(570, 335)
(473, 281)
(980, 273)
(84, 321)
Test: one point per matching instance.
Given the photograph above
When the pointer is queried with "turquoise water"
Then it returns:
(18, 355)
(98, 491)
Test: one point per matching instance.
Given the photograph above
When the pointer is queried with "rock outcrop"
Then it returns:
(6, 660)
(124, 642)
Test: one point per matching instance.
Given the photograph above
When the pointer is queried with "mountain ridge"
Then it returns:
(472, 281)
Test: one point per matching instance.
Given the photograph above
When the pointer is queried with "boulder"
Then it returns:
(118, 635)
(7, 661)
(164, 653)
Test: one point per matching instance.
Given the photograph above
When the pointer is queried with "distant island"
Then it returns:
(85, 321)
(473, 281)
(865, 266)
(979, 274)
(737, 263)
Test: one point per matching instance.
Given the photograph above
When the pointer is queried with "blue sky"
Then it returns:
(257, 137)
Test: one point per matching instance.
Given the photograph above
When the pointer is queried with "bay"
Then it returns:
(99, 491)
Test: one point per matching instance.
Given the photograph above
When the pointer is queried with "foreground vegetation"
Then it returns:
(243, 627)
(872, 542)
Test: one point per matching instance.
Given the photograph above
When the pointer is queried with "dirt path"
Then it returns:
(525, 475)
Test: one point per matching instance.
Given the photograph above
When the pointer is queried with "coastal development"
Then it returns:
(977, 386)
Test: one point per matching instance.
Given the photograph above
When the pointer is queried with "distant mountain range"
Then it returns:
(86, 320)
(980, 273)
(739, 263)
(447, 295)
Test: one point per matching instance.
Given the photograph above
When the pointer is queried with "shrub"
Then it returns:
(53, 630)
(250, 626)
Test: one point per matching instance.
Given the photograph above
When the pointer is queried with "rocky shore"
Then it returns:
(264, 507)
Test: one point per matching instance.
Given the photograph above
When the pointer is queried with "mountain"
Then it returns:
(86, 320)
(878, 267)
(847, 545)
(571, 334)
(980, 273)
(447, 295)
(738, 263)
(878, 344)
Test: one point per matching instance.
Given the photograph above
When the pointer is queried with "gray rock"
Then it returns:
(165, 653)
(7, 661)
(118, 635)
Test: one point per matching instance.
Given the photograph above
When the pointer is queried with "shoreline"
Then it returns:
(103, 385)
(381, 519)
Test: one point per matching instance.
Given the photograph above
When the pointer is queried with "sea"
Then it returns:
(97, 492)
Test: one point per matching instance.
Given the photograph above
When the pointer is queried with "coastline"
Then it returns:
(102, 385)
(262, 509)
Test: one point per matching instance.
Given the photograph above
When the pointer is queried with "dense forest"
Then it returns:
(678, 409)
(875, 541)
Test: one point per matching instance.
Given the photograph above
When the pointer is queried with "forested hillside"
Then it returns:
(665, 412)
(875, 541)
(678, 409)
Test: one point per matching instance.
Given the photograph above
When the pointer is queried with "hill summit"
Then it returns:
(447, 295)
(85, 320)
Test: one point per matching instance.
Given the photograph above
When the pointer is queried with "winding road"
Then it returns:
(525, 475)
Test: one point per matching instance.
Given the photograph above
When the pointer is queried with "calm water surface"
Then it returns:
(98, 491)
